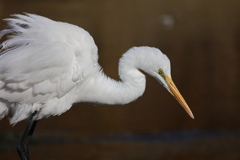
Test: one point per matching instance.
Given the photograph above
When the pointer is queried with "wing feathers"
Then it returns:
(47, 69)
(37, 56)
(40, 62)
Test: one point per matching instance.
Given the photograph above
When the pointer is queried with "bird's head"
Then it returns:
(155, 63)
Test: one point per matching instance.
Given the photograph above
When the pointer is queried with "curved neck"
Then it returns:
(101, 89)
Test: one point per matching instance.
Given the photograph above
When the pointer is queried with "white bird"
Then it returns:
(46, 66)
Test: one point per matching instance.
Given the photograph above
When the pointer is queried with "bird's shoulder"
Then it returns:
(42, 52)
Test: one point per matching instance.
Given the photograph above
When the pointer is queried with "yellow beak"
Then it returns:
(174, 91)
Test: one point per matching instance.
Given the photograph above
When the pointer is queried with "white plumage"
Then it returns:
(46, 66)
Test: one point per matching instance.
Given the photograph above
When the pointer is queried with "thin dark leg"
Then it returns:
(23, 145)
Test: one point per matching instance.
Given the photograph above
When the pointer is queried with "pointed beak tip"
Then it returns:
(192, 116)
(188, 110)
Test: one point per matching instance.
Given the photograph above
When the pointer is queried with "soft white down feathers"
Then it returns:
(46, 66)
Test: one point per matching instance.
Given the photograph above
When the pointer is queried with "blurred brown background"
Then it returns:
(202, 40)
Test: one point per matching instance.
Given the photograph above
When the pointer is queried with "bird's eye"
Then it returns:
(160, 71)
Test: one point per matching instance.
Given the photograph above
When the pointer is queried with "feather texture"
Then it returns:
(46, 66)
(38, 65)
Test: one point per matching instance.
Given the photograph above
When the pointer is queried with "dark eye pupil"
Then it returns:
(160, 71)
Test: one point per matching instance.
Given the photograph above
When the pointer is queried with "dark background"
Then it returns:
(202, 40)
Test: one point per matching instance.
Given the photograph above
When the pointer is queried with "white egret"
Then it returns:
(46, 66)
